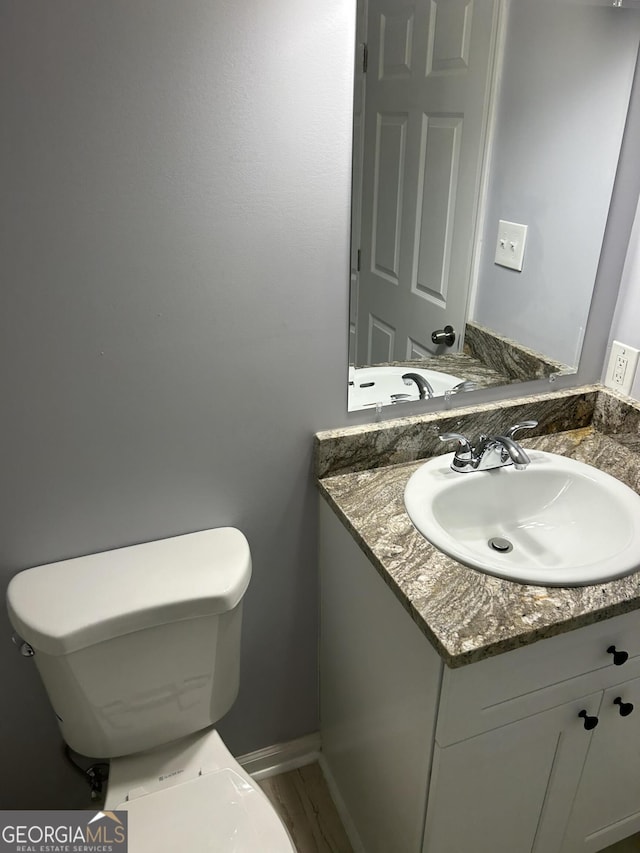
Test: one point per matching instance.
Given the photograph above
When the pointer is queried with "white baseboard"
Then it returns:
(345, 817)
(281, 757)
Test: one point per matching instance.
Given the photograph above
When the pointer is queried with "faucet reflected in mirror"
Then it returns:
(472, 119)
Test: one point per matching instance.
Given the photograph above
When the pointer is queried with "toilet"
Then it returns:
(139, 651)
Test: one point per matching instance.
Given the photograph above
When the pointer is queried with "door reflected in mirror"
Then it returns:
(486, 141)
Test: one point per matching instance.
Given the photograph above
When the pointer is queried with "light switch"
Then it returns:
(510, 247)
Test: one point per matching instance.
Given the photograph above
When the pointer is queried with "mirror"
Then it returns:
(486, 141)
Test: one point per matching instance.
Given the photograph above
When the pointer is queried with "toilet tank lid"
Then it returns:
(62, 607)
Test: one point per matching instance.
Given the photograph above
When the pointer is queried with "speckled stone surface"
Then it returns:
(407, 439)
(617, 415)
(464, 365)
(468, 615)
(508, 357)
(490, 360)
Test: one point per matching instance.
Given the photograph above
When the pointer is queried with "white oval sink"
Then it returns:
(568, 524)
(371, 385)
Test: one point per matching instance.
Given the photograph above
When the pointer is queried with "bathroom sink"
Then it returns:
(369, 386)
(558, 522)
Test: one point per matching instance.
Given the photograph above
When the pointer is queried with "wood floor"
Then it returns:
(629, 845)
(302, 800)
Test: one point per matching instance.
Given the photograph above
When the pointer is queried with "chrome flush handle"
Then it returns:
(26, 650)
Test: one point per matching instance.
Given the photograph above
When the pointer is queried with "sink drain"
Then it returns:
(503, 546)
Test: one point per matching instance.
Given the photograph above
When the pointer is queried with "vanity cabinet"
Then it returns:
(607, 805)
(488, 793)
(546, 781)
(500, 756)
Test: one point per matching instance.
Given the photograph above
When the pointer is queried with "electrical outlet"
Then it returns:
(621, 370)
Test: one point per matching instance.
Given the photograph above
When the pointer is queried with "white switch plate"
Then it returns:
(621, 370)
(510, 246)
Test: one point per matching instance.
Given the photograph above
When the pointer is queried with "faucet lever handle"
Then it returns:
(465, 385)
(463, 447)
(523, 425)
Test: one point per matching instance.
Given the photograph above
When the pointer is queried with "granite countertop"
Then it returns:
(468, 615)
(461, 364)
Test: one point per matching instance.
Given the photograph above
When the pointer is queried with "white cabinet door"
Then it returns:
(607, 807)
(509, 790)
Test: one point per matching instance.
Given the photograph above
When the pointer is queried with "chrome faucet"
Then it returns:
(424, 386)
(465, 385)
(490, 451)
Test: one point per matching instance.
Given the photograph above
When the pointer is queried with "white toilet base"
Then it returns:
(193, 795)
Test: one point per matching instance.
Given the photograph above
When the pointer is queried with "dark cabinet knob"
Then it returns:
(625, 707)
(619, 657)
(589, 722)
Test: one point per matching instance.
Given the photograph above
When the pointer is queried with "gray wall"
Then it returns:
(174, 242)
(562, 105)
(626, 321)
(174, 195)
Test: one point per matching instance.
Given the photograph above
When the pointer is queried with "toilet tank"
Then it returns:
(139, 646)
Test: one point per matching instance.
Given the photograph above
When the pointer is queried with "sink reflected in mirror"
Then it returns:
(388, 385)
(558, 522)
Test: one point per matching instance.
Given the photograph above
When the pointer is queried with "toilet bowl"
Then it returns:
(193, 795)
(139, 651)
